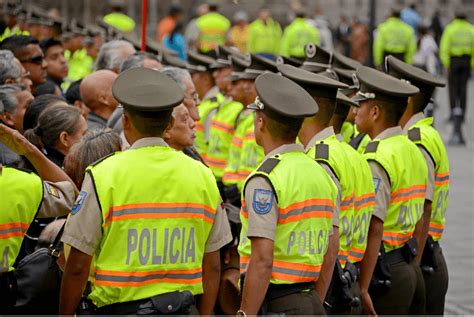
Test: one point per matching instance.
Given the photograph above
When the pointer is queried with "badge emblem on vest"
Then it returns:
(79, 201)
(262, 201)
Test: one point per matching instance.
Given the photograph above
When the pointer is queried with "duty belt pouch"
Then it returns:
(168, 304)
(382, 273)
(428, 259)
(410, 250)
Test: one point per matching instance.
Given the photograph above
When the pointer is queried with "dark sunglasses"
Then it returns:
(34, 60)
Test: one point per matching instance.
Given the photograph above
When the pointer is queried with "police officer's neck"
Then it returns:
(379, 127)
(309, 129)
(269, 144)
(407, 115)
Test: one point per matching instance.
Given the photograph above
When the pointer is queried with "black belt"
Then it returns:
(279, 290)
(124, 308)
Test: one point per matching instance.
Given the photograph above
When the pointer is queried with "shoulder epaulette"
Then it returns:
(268, 165)
(102, 159)
(322, 151)
(414, 134)
(372, 147)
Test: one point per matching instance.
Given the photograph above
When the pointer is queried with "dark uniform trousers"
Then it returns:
(458, 77)
(406, 294)
(301, 303)
(436, 285)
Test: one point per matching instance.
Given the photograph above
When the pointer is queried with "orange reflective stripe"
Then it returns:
(222, 126)
(243, 210)
(347, 202)
(319, 208)
(160, 210)
(396, 238)
(404, 194)
(436, 230)
(13, 229)
(237, 141)
(288, 271)
(135, 279)
(442, 179)
(364, 201)
(215, 162)
(249, 136)
(356, 254)
(199, 126)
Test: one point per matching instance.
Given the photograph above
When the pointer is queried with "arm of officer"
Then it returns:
(423, 226)
(83, 232)
(211, 266)
(262, 224)
(327, 269)
(375, 233)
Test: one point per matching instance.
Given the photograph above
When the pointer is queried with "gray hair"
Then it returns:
(137, 60)
(179, 75)
(7, 98)
(110, 56)
(8, 68)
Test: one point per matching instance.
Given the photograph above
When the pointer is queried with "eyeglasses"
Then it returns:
(34, 60)
(194, 97)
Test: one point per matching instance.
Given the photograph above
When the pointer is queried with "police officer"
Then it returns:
(456, 52)
(297, 35)
(420, 130)
(394, 37)
(213, 28)
(133, 200)
(117, 18)
(24, 197)
(400, 176)
(285, 225)
(208, 93)
(320, 142)
(317, 58)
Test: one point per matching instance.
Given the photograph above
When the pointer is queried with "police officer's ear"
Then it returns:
(375, 112)
(259, 121)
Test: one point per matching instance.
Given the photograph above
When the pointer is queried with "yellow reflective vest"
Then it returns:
(158, 207)
(457, 40)
(264, 38)
(407, 172)
(423, 134)
(396, 37)
(120, 21)
(202, 136)
(296, 36)
(21, 196)
(213, 29)
(306, 197)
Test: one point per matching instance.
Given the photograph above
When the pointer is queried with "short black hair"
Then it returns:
(422, 99)
(392, 111)
(326, 109)
(36, 107)
(284, 128)
(17, 43)
(175, 9)
(49, 42)
(152, 124)
(47, 88)
(73, 93)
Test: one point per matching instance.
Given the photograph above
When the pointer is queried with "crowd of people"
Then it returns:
(237, 169)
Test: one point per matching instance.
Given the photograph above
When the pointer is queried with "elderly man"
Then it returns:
(11, 70)
(14, 99)
(112, 54)
(96, 93)
(27, 50)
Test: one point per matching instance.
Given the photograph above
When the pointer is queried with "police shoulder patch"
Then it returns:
(51, 190)
(262, 201)
(79, 202)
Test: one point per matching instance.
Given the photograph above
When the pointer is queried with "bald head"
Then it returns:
(96, 92)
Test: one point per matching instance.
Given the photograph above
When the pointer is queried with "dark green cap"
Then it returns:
(414, 75)
(238, 67)
(223, 56)
(147, 90)
(257, 66)
(348, 77)
(279, 97)
(343, 100)
(200, 63)
(288, 60)
(329, 73)
(341, 61)
(377, 85)
(316, 85)
(317, 58)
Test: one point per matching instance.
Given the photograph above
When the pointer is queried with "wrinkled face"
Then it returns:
(222, 79)
(24, 98)
(363, 118)
(237, 91)
(57, 64)
(182, 132)
(191, 100)
(24, 76)
(34, 62)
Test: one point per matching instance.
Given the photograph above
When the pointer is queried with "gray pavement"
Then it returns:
(458, 240)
